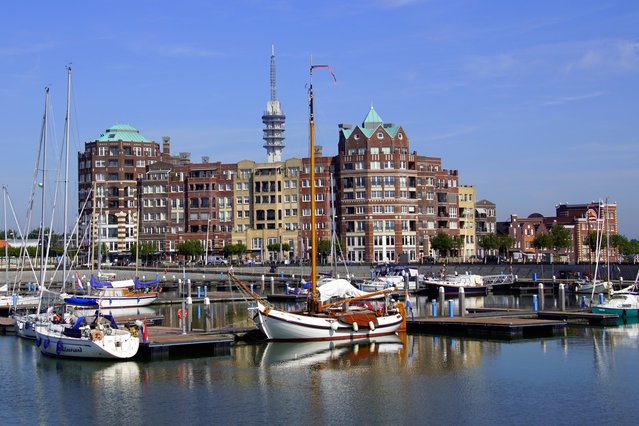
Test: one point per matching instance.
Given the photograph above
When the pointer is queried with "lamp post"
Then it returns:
(206, 248)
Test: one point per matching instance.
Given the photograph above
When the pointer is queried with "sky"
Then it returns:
(534, 103)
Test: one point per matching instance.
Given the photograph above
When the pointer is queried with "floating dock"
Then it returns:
(504, 328)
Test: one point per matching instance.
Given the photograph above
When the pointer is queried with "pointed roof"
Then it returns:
(123, 132)
(372, 119)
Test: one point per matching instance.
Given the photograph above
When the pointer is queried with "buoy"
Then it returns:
(334, 326)
(355, 327)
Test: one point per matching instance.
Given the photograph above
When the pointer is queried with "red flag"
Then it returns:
(329, 70)
(145, 333)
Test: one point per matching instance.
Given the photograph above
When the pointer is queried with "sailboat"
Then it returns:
(325, 320)
(624, 303)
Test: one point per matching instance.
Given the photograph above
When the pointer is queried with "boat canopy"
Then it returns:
(338, 287)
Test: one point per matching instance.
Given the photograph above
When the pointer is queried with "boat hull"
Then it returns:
(288, 326)
(118, 345)
(120, 302)
(622, 312)
(451, 289)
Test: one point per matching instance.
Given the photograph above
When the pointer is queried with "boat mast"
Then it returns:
(311, 119)
(66, 179)
(42, 188)
(6, 240)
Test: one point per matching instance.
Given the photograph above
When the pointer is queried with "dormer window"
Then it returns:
(380, 135)
(400, 136)
(356, 136)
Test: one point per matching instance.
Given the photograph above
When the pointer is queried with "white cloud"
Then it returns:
(618, 56)
(566, 99)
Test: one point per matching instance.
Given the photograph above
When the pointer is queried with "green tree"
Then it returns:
(489, 243)
(323, 250)
(144, 250)
(505, 243)
(442, 243)
(561, 238)
(191, 248)
(542, 241)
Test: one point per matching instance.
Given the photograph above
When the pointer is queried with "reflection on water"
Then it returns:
(328, 352)
(406, 379)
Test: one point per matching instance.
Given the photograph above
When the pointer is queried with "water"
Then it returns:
(586, 375)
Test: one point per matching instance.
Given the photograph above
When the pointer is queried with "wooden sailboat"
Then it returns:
(321, 320)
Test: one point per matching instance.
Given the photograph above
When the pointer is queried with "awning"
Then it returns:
(480, 210)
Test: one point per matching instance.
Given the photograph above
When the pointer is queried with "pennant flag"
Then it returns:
(329, 70)
(78, 281)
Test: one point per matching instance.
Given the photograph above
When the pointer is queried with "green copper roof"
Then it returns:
(372, 119)
(122, 132)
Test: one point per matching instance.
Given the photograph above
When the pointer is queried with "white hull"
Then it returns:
(600, 287)
(120, 344)
(280, 325)
(20, 301)
(116, 302)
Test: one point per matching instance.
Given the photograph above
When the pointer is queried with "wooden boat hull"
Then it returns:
(289, 326)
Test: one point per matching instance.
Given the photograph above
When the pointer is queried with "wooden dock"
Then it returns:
(574, 316)
(7, 325)
(503, 328)
(163, 342)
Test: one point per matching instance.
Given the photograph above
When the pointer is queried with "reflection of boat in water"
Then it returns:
(313, 352)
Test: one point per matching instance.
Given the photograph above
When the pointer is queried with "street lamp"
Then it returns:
(206, 248)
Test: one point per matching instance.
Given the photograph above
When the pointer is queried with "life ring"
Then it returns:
(182, 313)
(96, 335)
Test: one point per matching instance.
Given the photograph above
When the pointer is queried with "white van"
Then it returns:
(217, 261)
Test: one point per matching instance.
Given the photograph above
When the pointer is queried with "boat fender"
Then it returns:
(58, 347)
(355, 327)
(371, 325)
(46, 343)
(38, 341)
(334, 326)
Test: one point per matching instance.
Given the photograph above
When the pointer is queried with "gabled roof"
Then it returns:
(122, 132)
(371, 124)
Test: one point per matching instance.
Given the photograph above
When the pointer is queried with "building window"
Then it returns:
(380, 135)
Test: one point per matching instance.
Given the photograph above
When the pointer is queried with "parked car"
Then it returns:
(217, 261)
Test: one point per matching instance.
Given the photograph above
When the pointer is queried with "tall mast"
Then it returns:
(43, 187)
(43, 183)
(6, 240)
(66, 179)
(311, 121)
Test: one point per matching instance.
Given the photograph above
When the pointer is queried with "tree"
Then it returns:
(323, 249)
(458, 243)
(144, 250)
(505, 243)
(191, 248)
(542, 241)
(561, 238)
(442, 243)
(489, 242)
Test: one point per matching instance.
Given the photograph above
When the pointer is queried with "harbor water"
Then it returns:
(586, 375)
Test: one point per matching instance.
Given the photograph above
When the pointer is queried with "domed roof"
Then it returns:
(122, 132)
(536, 216)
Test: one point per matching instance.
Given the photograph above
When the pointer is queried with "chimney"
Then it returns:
(166, 145)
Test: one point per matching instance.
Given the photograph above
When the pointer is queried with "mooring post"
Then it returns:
(207, 311)
(562, 297)
(205, 291)
(433, 309)
(541, 296)
(451, 308)
(582, 302)
(442, 300)
(188, 283)
(462, 302)
(198, 292)
(272, 285)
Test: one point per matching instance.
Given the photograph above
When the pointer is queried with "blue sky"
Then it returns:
(534, 103)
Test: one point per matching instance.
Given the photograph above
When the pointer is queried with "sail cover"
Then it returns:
(340, 288)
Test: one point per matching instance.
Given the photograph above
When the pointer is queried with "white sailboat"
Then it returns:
(99, 337)
(321, 320)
